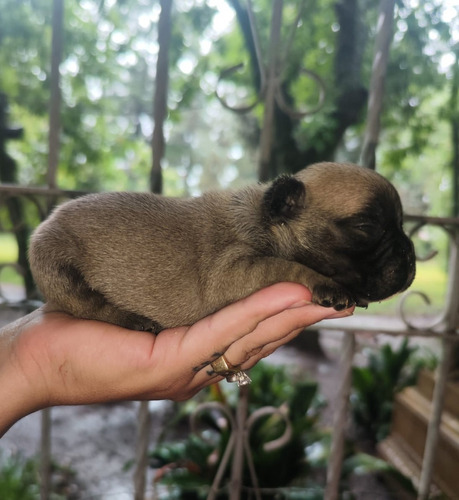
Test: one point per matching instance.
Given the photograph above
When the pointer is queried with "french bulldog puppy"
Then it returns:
(148, 262)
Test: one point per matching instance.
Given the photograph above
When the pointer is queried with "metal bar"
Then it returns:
(55, 99)
(14, 189)
(433, 430)
(53, 158)
(141, 452)
(256, 44)
(213, 492)
(238, 453)
(378, 75)
(160, 97)
(270, 95)
(339, 424)
(452, 296)
(45, 454)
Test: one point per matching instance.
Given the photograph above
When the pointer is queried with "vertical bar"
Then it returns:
(45, 455)
(238, 454)
(433, 430)
(378, 75)
(454, 123)
(53, 159)
(269, 98)
(339, 422)
(55, 99)
(141, 453)
(451, 316)
(160, 97)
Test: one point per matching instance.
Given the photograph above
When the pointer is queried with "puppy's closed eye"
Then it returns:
(369, 229)
(362, 231)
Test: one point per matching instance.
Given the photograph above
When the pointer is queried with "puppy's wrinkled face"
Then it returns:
(346, 223)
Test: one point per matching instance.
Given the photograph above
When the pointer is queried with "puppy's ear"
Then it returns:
(284, 198)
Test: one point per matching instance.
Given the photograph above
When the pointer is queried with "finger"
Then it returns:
(211, 337)
(270, 334)
(269, 349)
(277, 330)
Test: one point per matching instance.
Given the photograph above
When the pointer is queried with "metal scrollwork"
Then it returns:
(239, 432)
(271, 74)
(446, 320)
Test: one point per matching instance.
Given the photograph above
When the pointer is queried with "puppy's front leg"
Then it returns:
(247, 275)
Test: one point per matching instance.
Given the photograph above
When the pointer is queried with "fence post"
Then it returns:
(141, 455)
(45, 454)
(339, 422)
(433, 430)
(55, 99)
(378, 74)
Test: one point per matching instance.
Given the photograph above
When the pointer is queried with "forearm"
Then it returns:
(14, 404)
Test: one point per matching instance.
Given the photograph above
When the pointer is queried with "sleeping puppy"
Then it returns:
(148, 262)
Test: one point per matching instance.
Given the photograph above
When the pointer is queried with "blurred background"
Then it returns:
(185, 96)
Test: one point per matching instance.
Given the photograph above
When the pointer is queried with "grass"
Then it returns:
(9, 255)
(431, 279)
(8, 248)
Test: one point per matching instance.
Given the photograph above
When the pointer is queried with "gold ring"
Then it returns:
(221, 366)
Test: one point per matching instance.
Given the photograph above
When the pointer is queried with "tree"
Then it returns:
(108, 76)
(293, 149)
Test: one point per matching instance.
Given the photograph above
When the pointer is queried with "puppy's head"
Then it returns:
(344, 222)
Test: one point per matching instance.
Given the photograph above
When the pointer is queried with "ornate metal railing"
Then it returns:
(442, 324)
(37, 202)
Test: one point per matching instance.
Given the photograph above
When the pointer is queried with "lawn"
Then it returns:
(8, 248)
(9, 254)
(431, 279)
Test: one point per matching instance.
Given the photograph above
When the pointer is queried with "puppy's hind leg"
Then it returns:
(69, 292)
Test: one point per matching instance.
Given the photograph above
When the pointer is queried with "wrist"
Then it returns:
(19, 391)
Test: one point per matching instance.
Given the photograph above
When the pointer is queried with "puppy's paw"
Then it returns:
(140, 323)
(332, 296)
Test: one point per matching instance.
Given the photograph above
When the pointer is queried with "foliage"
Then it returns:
(193, 462)
(108, 73)
(374, 386)
(18, 478)
(355, 463)
(296, 471)
(360, 464)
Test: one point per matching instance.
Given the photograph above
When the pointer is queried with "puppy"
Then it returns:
(148, 262)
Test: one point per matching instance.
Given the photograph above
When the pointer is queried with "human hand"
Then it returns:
(50, 358)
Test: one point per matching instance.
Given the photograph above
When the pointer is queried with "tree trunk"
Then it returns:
(286, 154)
